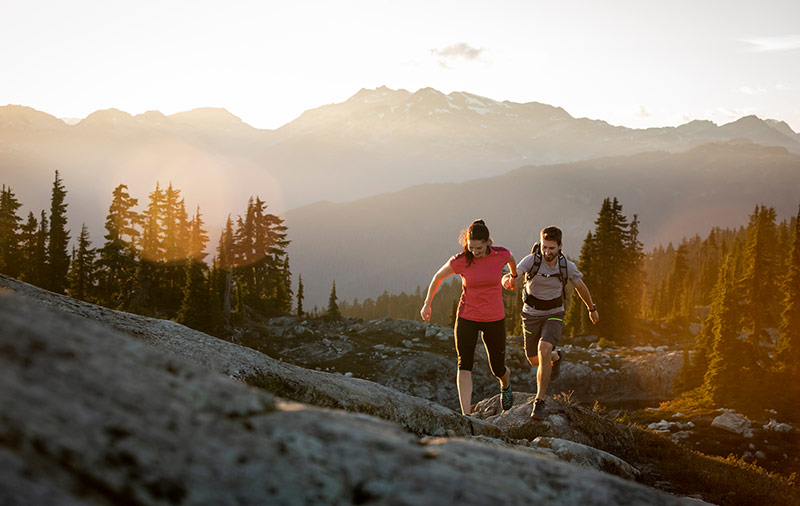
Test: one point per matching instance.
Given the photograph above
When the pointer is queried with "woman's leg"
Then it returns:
(466, 332)
(464, 385)
(494, 340)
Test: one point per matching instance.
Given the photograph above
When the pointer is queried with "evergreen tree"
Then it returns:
(39, 264)
(58, 239)
(577, 320)
(300, 296)
(788, 349)
(194, 310)
(153, 233)
(676, 282)
(28, 243)
(332, 313)
(709, 269)
(226, 252)
(117, 262)
(635, 278)
(150, 279)
(260, 251)
(10, 254)
(760, 286)
(727, 366)
(199, 237)
(81, 274)
(613, 263)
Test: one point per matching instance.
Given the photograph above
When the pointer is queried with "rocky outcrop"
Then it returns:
(419, 415)
(419, 359)
(92, 415)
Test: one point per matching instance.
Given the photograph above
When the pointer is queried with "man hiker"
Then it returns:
(546, 272)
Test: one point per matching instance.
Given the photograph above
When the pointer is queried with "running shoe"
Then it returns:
(538, 409)
(506, 398)
(556, 365)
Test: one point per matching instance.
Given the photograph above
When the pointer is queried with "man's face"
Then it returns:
(549, 250)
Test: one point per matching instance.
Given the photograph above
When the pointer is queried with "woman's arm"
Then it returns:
(442, 273)
(509, 280)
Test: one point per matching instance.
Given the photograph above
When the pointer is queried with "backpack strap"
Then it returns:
(563, 274)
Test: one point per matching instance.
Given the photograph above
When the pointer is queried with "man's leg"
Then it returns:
(545, 365)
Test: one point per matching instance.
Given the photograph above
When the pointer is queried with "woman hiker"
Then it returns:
(480, 308)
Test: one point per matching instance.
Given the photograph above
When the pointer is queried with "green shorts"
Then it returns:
(545, 328)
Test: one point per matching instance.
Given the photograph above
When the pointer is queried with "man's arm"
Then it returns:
(586, 297)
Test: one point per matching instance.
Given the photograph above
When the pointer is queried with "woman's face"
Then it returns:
(478, 248)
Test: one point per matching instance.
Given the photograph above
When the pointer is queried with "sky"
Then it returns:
(637, 63)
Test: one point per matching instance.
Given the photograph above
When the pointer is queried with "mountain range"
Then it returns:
(396, 241)
(387, 155)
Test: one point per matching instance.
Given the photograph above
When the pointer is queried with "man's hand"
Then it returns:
(594, 315)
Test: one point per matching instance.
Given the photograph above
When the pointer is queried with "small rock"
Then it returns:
(733, 422)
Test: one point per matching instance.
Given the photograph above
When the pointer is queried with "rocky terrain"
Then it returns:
(102, 407)
(419, 359)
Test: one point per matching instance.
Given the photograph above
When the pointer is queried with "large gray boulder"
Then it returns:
(419, 415)
(93, 416)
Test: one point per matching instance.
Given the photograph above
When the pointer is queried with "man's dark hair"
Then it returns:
(551, 233)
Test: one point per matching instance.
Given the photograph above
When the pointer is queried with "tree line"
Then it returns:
(743, 284)
(747, 281)
(153, 262)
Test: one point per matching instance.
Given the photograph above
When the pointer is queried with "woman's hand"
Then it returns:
(425, 312)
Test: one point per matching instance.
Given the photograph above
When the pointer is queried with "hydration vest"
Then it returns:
(534, 302)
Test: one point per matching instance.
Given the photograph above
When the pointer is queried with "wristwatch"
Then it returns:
(513, 275)
(593, 308)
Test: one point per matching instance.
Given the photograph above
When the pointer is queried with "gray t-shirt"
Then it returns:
(546, 287)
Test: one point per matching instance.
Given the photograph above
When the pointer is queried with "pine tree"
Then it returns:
(635, 278)
(199, 237)
(194, 310)
(676, 281)
(332, 313)
(10, 254)
(612, 265)
(39, 262)
(577, 320)
(300, 295)
(150, 279)
(81, 274)
(788, 349)
(260, 250)
(709, 269)
(117, 262)
(759, 282)
(28, 242)
(727, 364)
(58, 239)
(152, 238)
(226, 252)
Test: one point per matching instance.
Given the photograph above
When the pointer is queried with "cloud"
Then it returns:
(643, 113)
(456, 51)
(772, 44)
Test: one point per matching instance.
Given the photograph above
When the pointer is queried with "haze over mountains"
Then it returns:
(386, 140)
